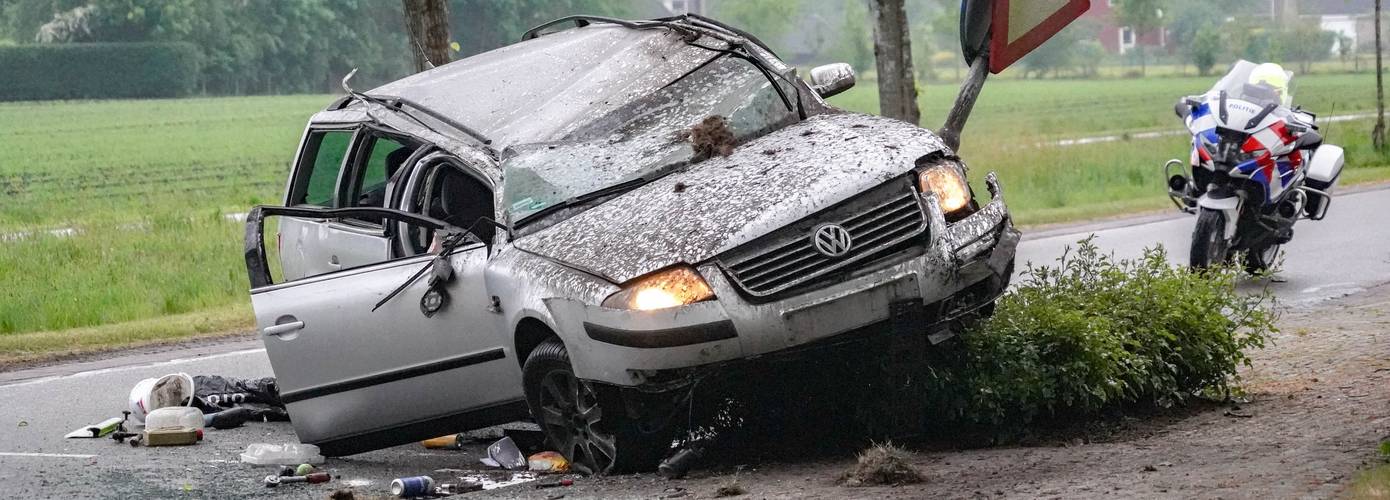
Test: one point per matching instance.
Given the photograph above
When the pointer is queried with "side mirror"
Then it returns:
(1183, 109)
(832, 79)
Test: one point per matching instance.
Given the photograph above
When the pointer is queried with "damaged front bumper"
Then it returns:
(958, 268)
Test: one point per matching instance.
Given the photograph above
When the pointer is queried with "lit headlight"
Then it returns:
(950, 188)
(675, 286)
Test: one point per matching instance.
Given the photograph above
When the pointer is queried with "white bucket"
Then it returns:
(175, 389)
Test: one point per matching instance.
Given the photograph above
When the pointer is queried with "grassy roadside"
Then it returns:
(23, 348)
(1371, 484)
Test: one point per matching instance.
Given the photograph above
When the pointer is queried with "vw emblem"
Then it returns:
(831, 240)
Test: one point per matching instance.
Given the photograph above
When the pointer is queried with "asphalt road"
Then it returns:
(1347, 252)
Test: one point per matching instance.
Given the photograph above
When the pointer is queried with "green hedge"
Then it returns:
(97, 71)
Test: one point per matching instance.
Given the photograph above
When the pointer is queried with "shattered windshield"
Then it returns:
(1260, 84)
(643, 138)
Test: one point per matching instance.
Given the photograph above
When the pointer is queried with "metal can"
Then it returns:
(410, 487)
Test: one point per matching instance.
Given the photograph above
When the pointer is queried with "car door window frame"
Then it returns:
(425, 166)
(304, 167)
(258, 269)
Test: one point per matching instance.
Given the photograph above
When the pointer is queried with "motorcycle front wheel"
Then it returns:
(1209, 245)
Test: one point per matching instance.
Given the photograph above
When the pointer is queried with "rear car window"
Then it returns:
(326, 149)
(384, 158)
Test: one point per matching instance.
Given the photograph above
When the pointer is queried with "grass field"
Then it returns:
(1014, 121)
(145, 185)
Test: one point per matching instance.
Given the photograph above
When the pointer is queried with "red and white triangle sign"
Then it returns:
(1019, 26)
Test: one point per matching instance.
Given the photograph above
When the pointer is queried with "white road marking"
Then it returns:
(1081, 141)
(89, 373)
(44, 455)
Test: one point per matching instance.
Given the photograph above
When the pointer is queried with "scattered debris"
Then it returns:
(730, 489)
(173, 436)
(304, 470)
(1235, 412)
(315, 478)
(23, 423)
(493, 481)
(281, 454)
(555, 484)
(1150, 468)
(504, 454)
(342, 494)
(174, 416)
(410, 487)
(548, 461)
(712, 136)
(882, 464)
(148, 395)
(679, 187)
(450, 442)
(98, 429)
(679, 464)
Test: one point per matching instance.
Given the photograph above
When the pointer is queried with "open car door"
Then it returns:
(358, 372)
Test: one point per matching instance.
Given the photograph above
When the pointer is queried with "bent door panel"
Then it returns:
(351, 371)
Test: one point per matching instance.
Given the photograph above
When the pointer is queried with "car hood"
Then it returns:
(720, 203)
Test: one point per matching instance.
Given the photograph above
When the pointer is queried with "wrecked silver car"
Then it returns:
(578, 227)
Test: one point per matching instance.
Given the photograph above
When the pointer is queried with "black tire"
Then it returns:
(586, 422)
(1260, 260)
(1209, 246)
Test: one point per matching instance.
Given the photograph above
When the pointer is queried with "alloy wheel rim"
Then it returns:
(573, 419)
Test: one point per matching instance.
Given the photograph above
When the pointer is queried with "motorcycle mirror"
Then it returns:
(1183, 109)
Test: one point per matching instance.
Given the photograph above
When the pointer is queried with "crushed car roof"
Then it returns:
(540, 89)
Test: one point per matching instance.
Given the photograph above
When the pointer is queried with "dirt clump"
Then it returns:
(883, 464)
(730, 489)
(712, 136)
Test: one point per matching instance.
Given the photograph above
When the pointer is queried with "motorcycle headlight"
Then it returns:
(952, 193)
(674, 286)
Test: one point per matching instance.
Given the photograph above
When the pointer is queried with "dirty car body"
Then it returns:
(538, 231)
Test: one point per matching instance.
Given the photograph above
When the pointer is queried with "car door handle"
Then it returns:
(283, 328)
(333, 261)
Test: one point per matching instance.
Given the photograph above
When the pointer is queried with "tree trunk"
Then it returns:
(897, 88)
(427, 23)
(1378, 134)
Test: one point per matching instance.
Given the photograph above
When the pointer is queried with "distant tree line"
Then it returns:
(280, 46)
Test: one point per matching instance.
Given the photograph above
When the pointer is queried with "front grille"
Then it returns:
(876, 220)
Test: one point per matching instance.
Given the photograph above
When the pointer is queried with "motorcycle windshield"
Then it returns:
(1260, 84)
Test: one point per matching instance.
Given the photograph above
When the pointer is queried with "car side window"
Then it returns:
(383, 156)
(323, 156)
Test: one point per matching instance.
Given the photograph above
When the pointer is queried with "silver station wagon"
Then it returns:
(575, 228)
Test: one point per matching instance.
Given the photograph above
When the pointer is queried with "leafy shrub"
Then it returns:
(1094, 333)
(97, 71)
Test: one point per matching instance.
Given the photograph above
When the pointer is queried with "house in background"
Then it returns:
(1353, 19)
(1119, 39)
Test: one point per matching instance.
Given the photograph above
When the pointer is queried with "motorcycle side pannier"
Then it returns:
(1323, 171)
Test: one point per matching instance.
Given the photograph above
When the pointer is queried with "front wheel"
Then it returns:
(1209, 245)
(586, 422)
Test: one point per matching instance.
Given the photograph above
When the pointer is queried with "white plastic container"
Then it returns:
(175, 389)
(281, 454)
(174, 416)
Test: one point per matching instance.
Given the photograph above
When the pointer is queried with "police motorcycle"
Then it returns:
(1257, 166)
